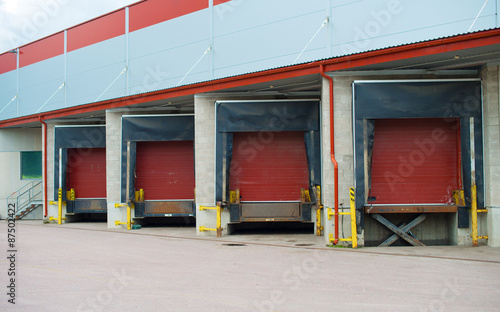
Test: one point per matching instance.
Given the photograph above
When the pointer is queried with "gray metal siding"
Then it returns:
(92, 69)
(160, 55)
(38, 82)
(8, 89)
(366, 25)
(246, 36)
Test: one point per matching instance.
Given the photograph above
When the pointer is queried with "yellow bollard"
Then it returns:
(352, 213)
(59, 206)
(219, 229)
(129, 222)
(353, 219)
(473, 211)
(318, 221)
(129, 216)
(319, 207)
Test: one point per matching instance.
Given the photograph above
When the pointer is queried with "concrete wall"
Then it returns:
(12, 142)
(52, 210)
(490, 224)
(344, 153)
(204, 155)
(113, 168)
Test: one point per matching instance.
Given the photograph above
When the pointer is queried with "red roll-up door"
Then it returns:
(415, 161)
(269, 166)
(165, 170)
(86, 172)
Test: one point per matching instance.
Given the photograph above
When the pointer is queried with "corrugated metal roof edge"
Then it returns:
(404, 51)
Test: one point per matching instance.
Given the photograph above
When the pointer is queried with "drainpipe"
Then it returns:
(332, 153)
(45, 204)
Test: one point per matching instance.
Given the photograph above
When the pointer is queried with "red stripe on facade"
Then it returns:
(147, 13)
(42, 49)
(432, 47)
(8, 62)
(97, 30)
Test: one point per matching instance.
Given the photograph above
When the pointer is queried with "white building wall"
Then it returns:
(12, 142)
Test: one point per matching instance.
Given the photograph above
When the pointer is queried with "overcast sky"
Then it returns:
(24, 21)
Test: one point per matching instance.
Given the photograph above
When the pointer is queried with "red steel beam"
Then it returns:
(432, 47)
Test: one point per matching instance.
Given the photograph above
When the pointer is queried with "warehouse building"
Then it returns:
(271, 112)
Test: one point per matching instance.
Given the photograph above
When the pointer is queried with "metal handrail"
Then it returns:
(25, 195)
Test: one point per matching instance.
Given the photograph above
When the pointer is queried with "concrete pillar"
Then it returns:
(344, 152)
(113, 169)
(52, 210)
(204, 151)
(490, 224)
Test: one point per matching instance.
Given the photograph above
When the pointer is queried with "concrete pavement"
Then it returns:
(86, 267)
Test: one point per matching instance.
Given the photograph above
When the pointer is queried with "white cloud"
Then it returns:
(24, 21)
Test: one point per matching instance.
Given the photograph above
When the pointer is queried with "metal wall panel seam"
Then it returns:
(127, 55)
(497, 24)
(211, 36)
(328, 9)
(65, 66)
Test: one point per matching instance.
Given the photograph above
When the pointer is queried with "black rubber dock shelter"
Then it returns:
(80, 168)
(158, 160)
(414, 143)
(268, 159)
